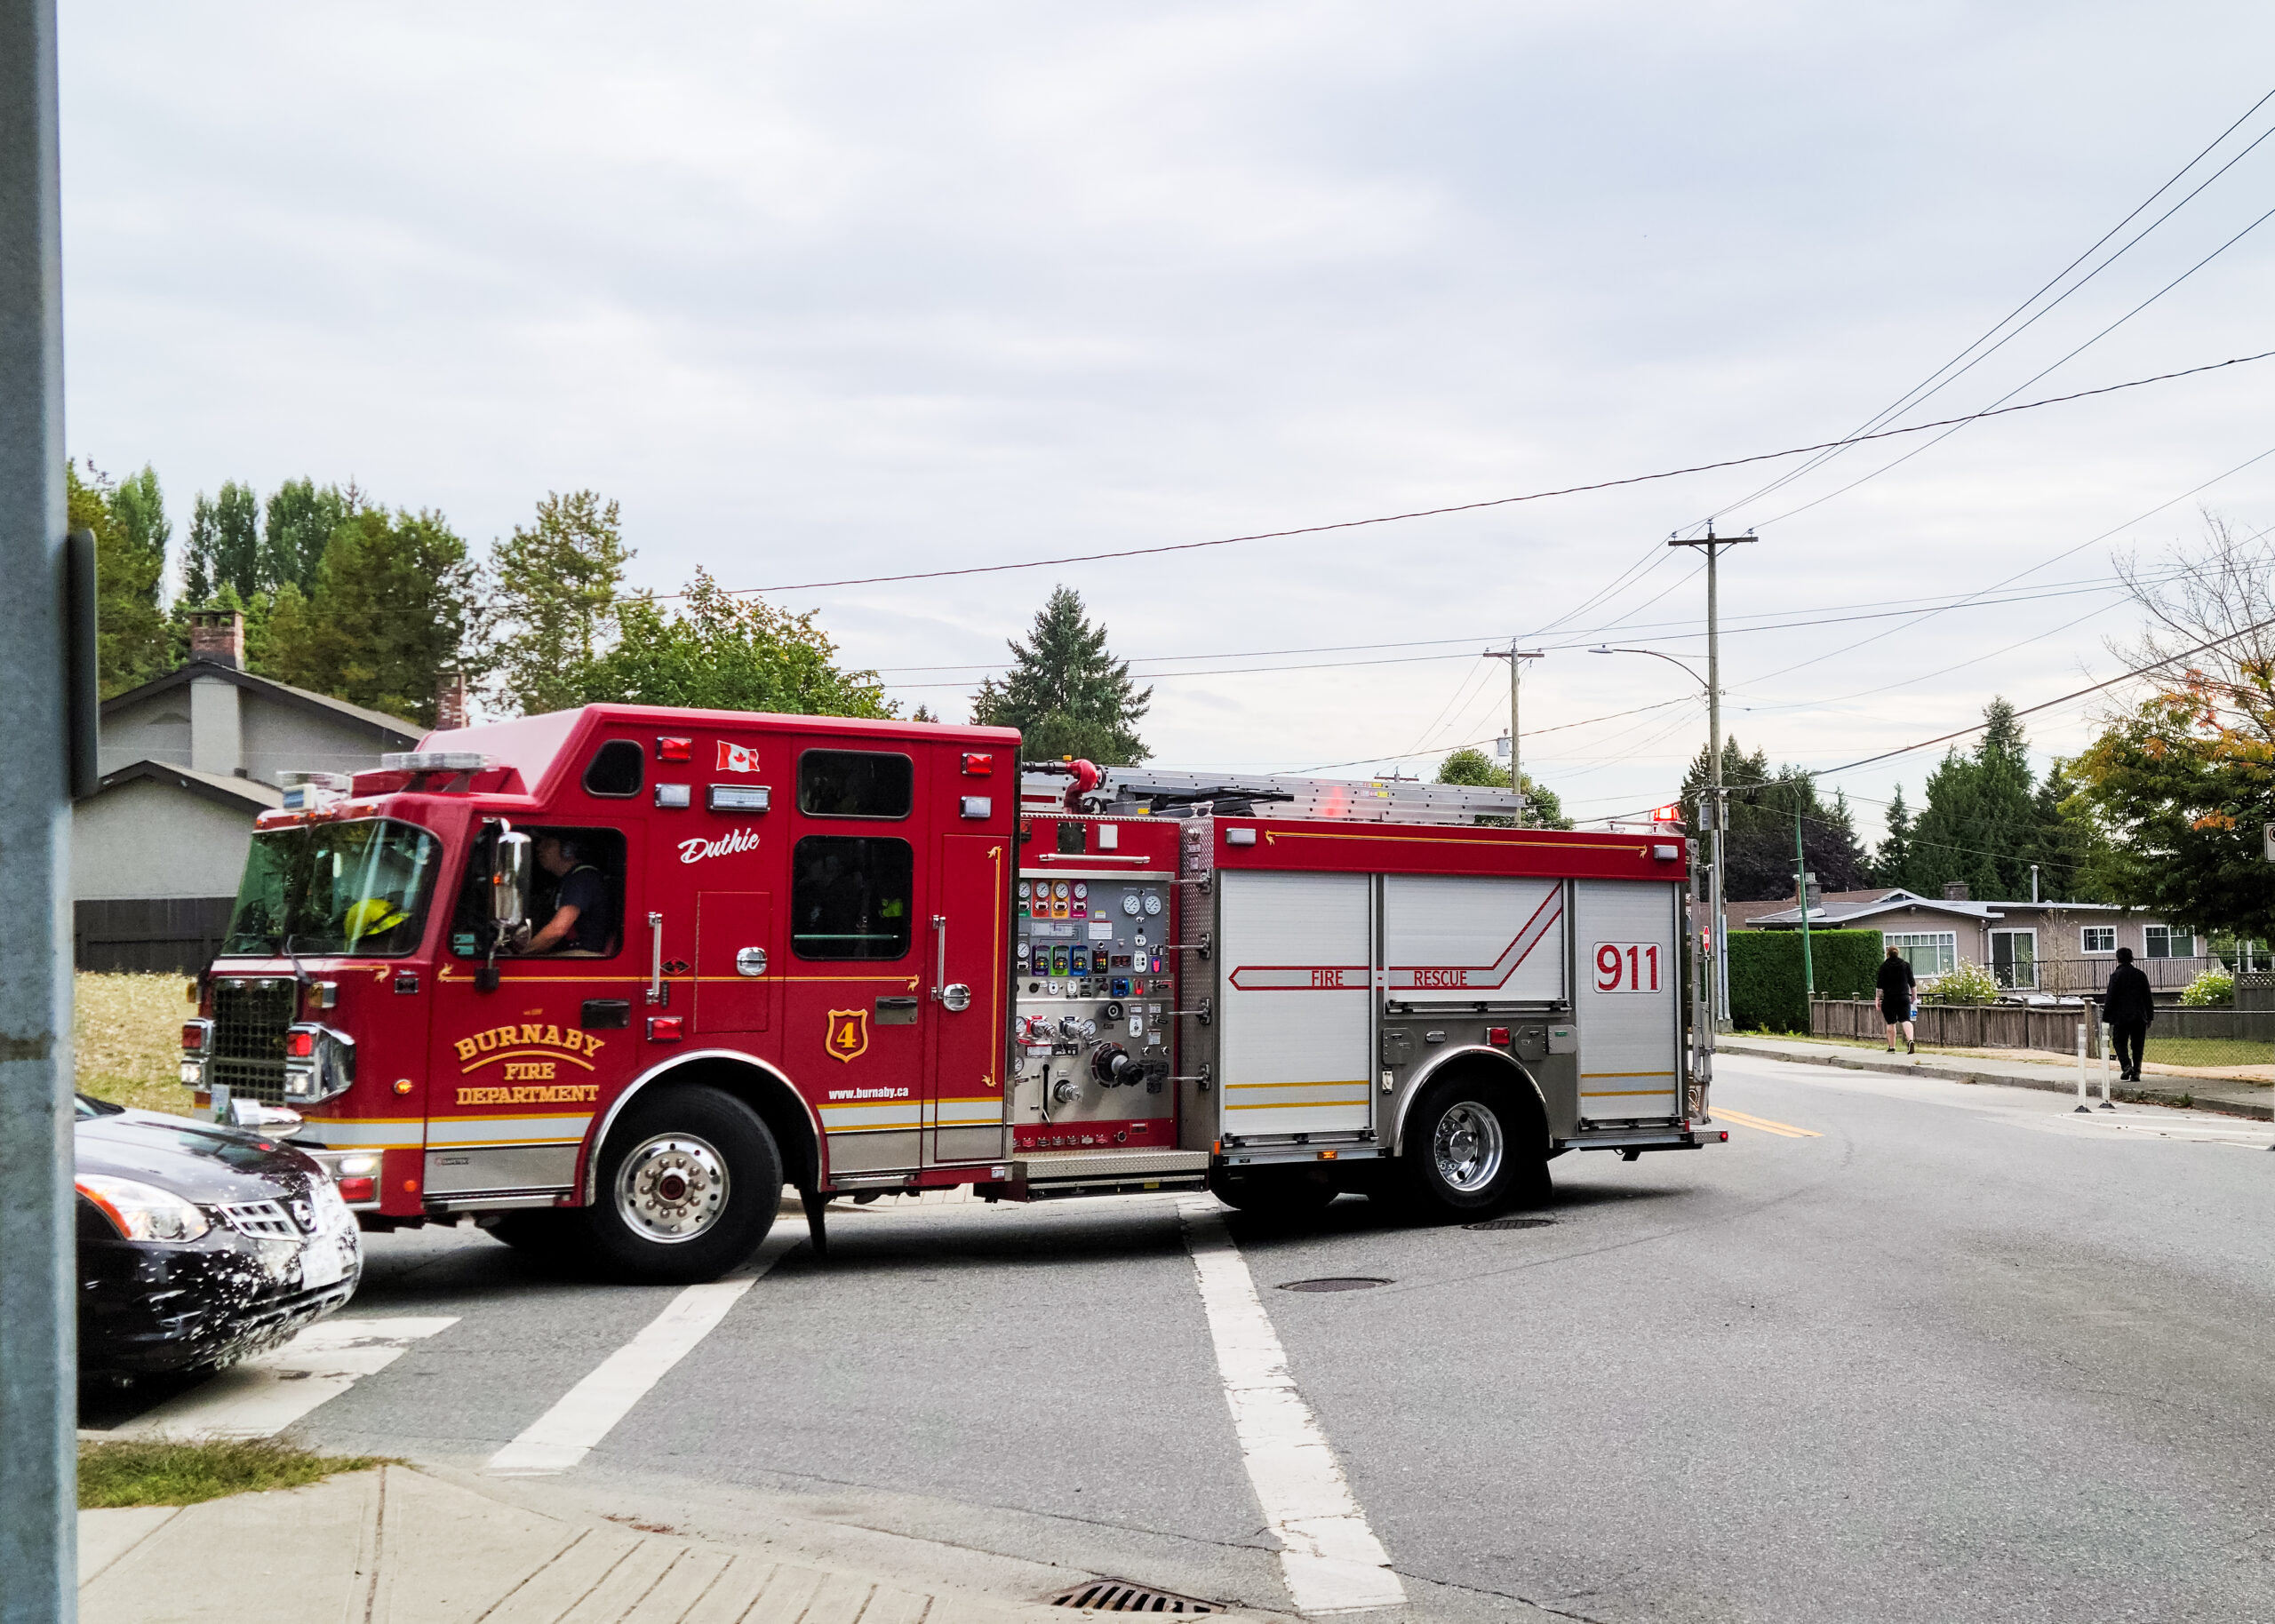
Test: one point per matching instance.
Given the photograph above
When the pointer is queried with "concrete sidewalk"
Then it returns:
(2165, 1085)
(425, 1548)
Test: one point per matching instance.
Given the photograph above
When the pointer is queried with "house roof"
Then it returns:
(249, 794)
(390, 728)
(1839, 907)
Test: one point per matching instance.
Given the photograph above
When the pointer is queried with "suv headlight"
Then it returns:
(143, 1212)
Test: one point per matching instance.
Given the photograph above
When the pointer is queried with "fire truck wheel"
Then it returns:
(1283, 1191)
(690, 1181)
(1465, 1154)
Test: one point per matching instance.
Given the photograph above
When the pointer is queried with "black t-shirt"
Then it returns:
(1896, 981)
(586, 889)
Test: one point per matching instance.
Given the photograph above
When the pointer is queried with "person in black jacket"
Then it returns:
(1895, 983)
(2128, 1007)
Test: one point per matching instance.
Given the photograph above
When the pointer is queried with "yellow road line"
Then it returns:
(1783, 1129)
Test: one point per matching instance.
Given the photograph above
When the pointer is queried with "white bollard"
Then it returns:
(2106, 1105)
(2083, 1106)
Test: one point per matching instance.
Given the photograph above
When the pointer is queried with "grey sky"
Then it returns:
(832, 291)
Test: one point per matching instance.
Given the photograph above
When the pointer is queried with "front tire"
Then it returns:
(688, 1184)
(1470, 1150)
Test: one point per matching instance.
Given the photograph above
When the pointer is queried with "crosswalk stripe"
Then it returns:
(262, 1396)
(1330, 1557)
(561, 1437)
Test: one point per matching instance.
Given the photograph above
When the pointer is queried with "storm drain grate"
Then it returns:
(1120, 1595)
(1512, 1223)
(1335, 1283)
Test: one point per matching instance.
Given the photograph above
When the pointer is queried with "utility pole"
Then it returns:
(38, 1352)
(1714, 544)
(1801, 889)
(1516, 657)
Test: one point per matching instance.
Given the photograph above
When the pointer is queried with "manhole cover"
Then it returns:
(1512, 1223)
(1120, 1595)
(1335, 1283)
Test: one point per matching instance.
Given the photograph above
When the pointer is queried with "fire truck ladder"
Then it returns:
(1126, 791)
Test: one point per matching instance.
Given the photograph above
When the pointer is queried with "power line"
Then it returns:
(2034, 376)
(1914, 395)
(1466, 508)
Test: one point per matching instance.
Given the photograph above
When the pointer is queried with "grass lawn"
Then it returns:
(2205, 1051)
(152, 1473)
(129, 1036)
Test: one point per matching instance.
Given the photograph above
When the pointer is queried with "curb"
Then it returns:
(1956, 1074)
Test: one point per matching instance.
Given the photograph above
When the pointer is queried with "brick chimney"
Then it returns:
(1955, 891)
(451, 701)
(218, 636)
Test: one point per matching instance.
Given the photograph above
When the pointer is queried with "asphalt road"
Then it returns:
(1933, 1352)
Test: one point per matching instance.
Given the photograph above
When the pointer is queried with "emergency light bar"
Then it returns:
(305, 792)
(436, 762)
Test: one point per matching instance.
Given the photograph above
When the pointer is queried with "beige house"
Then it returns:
(188, 760)
(2030, 947)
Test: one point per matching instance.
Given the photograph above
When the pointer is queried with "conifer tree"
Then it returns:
(224, 546)
(1066, 692)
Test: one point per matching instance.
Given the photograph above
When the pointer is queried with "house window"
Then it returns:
(2014, 960)
(1929, 953)
(2163, 942)
(2098, 939)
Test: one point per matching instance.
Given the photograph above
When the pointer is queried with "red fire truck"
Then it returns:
(609, 979)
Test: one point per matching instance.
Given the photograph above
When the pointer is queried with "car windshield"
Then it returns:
(322, 888)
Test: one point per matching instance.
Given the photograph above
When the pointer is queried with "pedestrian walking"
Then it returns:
(1896, 984)
(2129, 1007)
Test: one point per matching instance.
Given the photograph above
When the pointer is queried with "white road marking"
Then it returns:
(264, 1395)
(561, 1437)
(1330, 1557)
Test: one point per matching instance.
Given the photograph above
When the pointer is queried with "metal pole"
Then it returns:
(1801, 889)
(38, 1352)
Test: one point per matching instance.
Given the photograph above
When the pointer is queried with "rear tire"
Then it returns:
(688, 1184)
(1280, 1192)
(1472, 1150)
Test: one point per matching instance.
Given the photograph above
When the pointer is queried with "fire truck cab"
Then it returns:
(610, 979)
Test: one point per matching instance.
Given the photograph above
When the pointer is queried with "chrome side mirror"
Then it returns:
(509, 881)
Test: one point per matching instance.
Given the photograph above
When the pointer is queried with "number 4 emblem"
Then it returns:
(848, 1033)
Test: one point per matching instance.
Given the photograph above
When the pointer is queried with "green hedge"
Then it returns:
(1767, 987)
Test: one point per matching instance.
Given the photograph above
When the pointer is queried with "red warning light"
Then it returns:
(1671, 813)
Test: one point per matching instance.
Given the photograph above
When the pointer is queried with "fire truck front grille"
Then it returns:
(249, 1022)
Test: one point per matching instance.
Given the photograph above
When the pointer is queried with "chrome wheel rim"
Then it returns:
(671, 1189)
(1467, 1147)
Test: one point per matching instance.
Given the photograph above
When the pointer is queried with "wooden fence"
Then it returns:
(2020, 1026)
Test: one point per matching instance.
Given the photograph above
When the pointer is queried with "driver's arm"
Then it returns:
(556, 928)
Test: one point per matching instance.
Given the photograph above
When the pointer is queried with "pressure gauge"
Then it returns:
(1153, 904)
(1059, 890)
(1131, 905)
(1080, 890)
(1023, 888)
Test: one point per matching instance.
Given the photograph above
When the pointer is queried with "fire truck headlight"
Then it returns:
(319, 1063)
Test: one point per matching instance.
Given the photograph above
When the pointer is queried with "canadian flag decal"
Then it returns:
(738, 758)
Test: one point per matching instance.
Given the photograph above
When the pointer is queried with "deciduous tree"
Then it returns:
(388, 615)
(129, 522)
(715, 651)
(224, 548)
(1473, 767)
(552, 592)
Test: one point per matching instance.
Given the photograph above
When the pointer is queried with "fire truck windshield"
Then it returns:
(325, 888)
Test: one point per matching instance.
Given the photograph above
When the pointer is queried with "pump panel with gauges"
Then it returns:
(1092, 1041)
